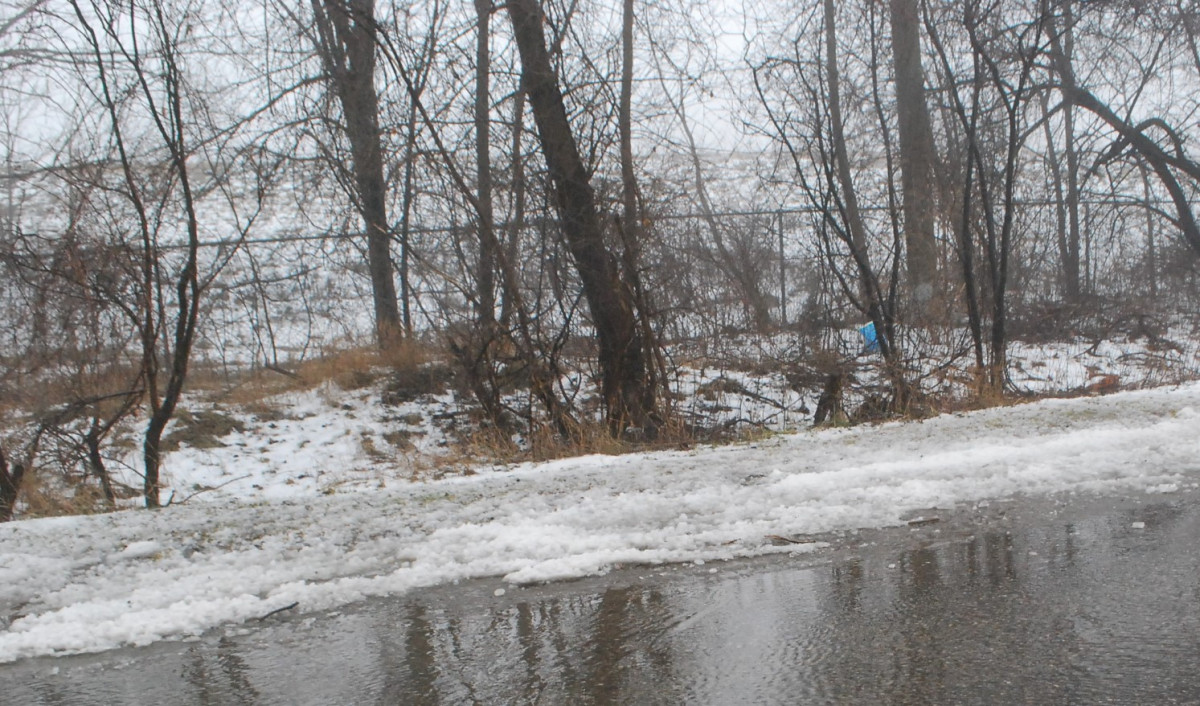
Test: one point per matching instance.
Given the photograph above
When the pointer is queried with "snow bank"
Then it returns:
(83, 584)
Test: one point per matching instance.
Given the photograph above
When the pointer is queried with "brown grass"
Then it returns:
(41, 498)
(980, 395)
(349, 369)
(489, 445)
(202, 429)
(36, 393)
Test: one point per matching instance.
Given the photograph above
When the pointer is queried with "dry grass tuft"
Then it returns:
(490, 445)
(41, 497)
(202, 429)
(348, 368)
(979, 395)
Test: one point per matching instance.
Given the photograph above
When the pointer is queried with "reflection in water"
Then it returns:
(225, 682)
(532, 683)
(414, 678)
(920, 663)
(606, 652)
(1079, 610)
(848, 584)
(1001, 568)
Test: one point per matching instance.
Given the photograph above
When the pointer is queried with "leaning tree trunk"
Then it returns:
(870, 291)
(623, 364)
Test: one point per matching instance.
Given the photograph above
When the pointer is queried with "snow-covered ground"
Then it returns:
(90, 583)
(308, 442)
(315, 442)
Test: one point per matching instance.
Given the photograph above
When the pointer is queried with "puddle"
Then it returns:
(1048, 601)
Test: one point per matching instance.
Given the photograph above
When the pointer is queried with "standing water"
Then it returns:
(1038, 602)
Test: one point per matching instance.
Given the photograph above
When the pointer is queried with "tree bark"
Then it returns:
(409, 196)
(632, 225)
(858, 231)
(623, 365)
(870, 291)
(486, 274)
(917, 153)
(1062, 47)
(10, 485)
(347, 43)
(516, 222)
(625, 124)
(1151, 247)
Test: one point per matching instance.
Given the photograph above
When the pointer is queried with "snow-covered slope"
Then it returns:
(79, 584)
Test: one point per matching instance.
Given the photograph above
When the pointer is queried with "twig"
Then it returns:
(207, 489)
(779, 538)
(282, 371)
(278, 610)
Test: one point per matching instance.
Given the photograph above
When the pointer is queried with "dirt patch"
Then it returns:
(201, 430)
(410, 384)
(402, 439)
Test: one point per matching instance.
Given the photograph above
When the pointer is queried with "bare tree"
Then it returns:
(626, 383)
(918, 152)
(1003, 66)
(346, 41)
(1062, 50)
(159, 128)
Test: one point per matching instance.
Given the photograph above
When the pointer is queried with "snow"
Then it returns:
(91, 583)
(321, 444)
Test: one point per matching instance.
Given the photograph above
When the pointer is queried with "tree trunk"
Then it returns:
(516, 222)
(631, 230)
(870, 290)
(966, 242)
(10, 485)
(625, 125)
(346, 32)
(1151, 246)
(1062, 47)
(917, 153)
(96, 461)
(858, 231)
(623, 365)
(486, 284)
(478, 351)
(409, 195)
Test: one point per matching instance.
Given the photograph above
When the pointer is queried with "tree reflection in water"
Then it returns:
(1088, 608)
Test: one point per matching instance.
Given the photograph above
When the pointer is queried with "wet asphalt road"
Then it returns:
(1060, 601)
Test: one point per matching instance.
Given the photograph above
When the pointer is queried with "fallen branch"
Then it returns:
(282, 371)
(780, 539)
(205, 490)
(278, 611)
